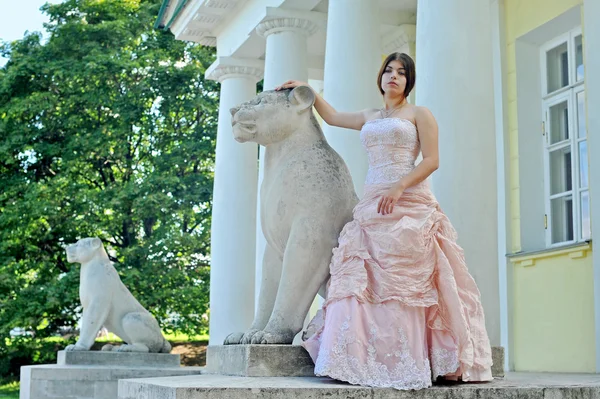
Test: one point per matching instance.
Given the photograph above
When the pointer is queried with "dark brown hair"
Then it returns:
(409, 70)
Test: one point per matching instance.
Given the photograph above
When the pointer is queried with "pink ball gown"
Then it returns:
(402, 308)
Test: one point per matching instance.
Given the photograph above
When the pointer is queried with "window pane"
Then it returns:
(579, 58)
(559, 122)
(560, 171)
(581, 128)
(562, 219)
(583, 164)
(557, 66)
(586, 231)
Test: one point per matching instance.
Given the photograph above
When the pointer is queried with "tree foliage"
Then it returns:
(107, 129)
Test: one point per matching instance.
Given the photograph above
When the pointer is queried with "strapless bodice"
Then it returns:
(392, 146)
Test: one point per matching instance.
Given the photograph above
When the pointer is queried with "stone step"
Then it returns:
(209, 386)
(53, 381)
(95, 374)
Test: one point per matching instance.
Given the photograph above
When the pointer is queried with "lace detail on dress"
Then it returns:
(444, 362)
(339, 363)
(392, 146)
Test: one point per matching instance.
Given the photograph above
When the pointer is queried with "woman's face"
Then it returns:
(393, 80)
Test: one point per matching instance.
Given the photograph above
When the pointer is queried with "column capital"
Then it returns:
(399, 37)
(231, 67)
(278, 20)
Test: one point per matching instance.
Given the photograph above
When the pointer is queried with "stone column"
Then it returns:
(455, 81)
(402, 40)
(353, 58)
(234, 205)
(591, 40)
(285, 59)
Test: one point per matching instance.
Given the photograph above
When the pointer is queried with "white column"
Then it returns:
(352, 60)
(591, 39)
(285, 59)
(502, 162)
(286, 53)
(234, 206)
(455, 81)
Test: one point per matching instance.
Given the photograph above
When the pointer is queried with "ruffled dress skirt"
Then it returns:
(402, 308)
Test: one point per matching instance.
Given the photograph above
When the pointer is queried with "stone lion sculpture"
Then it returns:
(107, 302)
(306, 198)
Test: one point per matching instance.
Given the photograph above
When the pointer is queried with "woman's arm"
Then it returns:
(350, 120)
(428, 135)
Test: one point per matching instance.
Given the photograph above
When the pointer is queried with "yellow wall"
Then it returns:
(522, 16)
(553, 312)
(552, 301)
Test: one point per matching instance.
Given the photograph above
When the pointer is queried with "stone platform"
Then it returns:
(208, 386)
(95, 375)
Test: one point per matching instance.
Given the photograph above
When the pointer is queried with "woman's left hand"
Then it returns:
(389, 199)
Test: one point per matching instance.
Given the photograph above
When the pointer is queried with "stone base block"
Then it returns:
(121, 359)
(259, 360)
(71, 378)
(498, 359)
(210, 386)
(282, 361)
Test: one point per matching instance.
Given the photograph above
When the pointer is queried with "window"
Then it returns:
(565, 145)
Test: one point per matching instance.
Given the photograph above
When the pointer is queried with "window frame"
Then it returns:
(566, 94)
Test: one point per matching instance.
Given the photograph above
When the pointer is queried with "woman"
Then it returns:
(402, 308)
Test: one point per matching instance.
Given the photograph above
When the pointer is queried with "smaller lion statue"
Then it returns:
(107, 302)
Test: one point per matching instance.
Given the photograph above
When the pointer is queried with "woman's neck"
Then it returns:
(394, 102)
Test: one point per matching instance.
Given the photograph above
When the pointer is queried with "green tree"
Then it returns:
(106, 129)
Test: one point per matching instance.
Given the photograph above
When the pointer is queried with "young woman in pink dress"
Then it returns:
(402, 308)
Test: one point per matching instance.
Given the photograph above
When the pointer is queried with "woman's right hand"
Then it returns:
(290, 84)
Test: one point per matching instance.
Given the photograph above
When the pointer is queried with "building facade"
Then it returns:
(513, 85)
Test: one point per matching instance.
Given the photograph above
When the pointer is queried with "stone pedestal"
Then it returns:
(498, 359)
(259, 361)
(95, 375)
(282, 361)
(121, 359)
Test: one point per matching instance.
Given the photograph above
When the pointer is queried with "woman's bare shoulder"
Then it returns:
(424, 118)
(421, 111)
(371, 113)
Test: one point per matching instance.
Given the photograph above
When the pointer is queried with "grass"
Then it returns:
(9, 390)
(110, 337)
(170, 337)
(186, 338)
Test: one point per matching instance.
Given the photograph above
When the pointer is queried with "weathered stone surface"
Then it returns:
(306, 198)
(209, 386)
(120, 359)
(498, 360)
(259, 360)
(282, 361)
